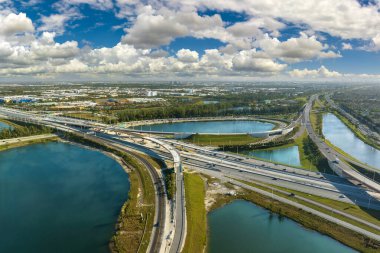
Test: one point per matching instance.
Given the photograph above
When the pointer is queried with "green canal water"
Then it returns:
(288, 155)
(225, 126)
(57, 197)
(245, 228)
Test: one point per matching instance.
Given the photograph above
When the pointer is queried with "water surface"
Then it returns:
(244, 227)
(57, 197)
(288, 155)
(341, 136)
(4, 126)
(227, 126)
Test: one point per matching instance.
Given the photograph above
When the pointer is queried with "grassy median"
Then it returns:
(220, 140)
(196, 236)
(137, 214)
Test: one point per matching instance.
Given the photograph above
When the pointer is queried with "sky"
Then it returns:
(239, 40)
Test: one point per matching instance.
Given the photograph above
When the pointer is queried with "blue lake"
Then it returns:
(288, 155)
(57, 197)
(244, 227)
(228, 126)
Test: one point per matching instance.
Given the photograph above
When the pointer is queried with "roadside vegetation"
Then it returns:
(167, 172)
(20, 129)
(363, 104)
(136, 218)
(220, 140)
(363, 213)
(196, 213)
(29, 142)
(312, 154)
(316, 117)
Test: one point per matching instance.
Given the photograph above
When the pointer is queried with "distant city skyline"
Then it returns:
(233, 40)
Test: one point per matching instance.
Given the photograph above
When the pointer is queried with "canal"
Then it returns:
(288, 155)
(341, 136)
(226, 126)
(244, 227)
(58, 197)
(4, 126)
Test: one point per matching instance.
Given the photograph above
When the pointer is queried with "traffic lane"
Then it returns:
(252, 162)
(351, 198)
(352, 192)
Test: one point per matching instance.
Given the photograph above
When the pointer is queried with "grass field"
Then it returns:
(196, 213)
(87, 116)
(220, 140)
(27, 143)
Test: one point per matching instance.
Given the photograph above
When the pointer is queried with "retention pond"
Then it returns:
(58, 197)
(227, 126)
(244, 227)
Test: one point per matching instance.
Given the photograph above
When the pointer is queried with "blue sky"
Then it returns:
(114, 39)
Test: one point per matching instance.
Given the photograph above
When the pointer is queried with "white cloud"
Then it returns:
(322, 72)
(96, 4)
(250, 60)
(54, 22)
(186, 55)
(252, 47)
(346, 46)
(347, 19)
(154, 28)
(12, 24)
(296, 49)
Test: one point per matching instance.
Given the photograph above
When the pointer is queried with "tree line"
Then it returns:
(22, 131)
(211, 110)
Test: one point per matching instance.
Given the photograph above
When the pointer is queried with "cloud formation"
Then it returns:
(256, 45)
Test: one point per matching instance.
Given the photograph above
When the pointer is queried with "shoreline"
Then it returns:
(111, 155)
(302, 217)
(276, 123)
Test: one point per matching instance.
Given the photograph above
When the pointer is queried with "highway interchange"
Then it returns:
(353, 187)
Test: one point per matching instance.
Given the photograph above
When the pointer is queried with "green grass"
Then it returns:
(26, 143)
(88, 116)
(167, 172)
(220, 140)
(196, 213)
(370, 215)
(304, 161)
(137, 214)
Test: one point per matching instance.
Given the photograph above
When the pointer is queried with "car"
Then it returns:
(273, 178)
(292, 194)
(342, 196)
